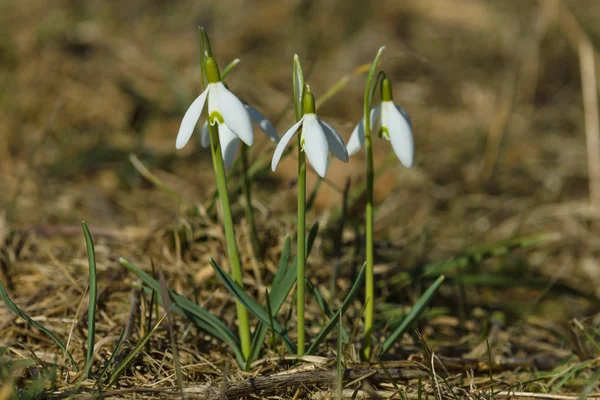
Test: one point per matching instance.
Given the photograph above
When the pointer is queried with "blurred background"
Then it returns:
(494, 89)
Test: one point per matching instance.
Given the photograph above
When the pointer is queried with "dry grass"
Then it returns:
(495, 93)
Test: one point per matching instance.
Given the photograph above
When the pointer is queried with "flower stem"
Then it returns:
(232, 250)
(300, 252)
(248, 195)
(369, 278)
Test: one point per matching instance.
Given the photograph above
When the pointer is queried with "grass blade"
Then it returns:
(196, 314)
(125, 363)
(13, 307)
(110, 359)
(229, 67)
(91, 253)
(413, 315)
(478, 254)
(167, 305)
(251, 304)
(324, 306)
(333, 321)
(282, 285)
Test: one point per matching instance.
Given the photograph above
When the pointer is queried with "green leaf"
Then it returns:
(478, 254)
(324, 306)
(251, 304)
(370, 85)
(229, 67)
(282, 285)
(127, 361)
(13, 307)
(111, 358)
(91, 253)
(333, 321)
(413, 315)
(298, 77)
(196, 314)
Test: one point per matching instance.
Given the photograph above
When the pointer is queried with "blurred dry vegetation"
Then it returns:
(494, 89)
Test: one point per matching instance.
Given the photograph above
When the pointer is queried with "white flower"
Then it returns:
(223, 108)
(230, 142)
(318, 139)
(395, 126)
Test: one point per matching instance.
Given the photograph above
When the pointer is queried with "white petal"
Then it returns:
(399, 127)
(263, 123)
(358, 134)
(285, 139)
(230, 144)
(335, 142)
(189, 120)
(315, 144)
(235, 115)
(205, 135)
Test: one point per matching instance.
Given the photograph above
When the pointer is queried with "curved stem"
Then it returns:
(300, 251)
(232, 250)
(248, 197)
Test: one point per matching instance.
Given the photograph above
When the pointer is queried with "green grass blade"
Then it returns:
(324, 306)
(333, 322)
(229, 67)
(13, 307)
(251, 304)
(413, 315)
(478, 254)
(127, 360)
(110, 359)
(93, 293)
(196, 314)
(282, 285)
(371, 83)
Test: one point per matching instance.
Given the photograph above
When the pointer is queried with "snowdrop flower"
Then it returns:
(224, 109)
(317, 139)
(395, 126)
(230, 142)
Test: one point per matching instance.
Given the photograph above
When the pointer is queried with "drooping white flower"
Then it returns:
(230, 142)
(224, 109)
(395, 126)
(317, 140)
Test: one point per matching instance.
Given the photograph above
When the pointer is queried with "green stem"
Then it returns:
(369, 278)
(300, 252)
(232, 250)
(248, 195)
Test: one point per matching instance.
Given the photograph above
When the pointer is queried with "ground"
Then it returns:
(502, 199)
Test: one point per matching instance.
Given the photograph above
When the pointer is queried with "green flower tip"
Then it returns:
(386, 90)
(212, 70)
(308, 101)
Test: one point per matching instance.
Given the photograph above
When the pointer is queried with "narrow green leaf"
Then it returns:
(340, 371)
(251, 304)
(13, 307)
(478, 254)
(413, 315)
(229, 67)
(333, 321)
(298, 77)
(110, 359)
(91, 253)
(371, 84)
(282, 285)
(127, 360)
(324, 306)
(196, 314)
